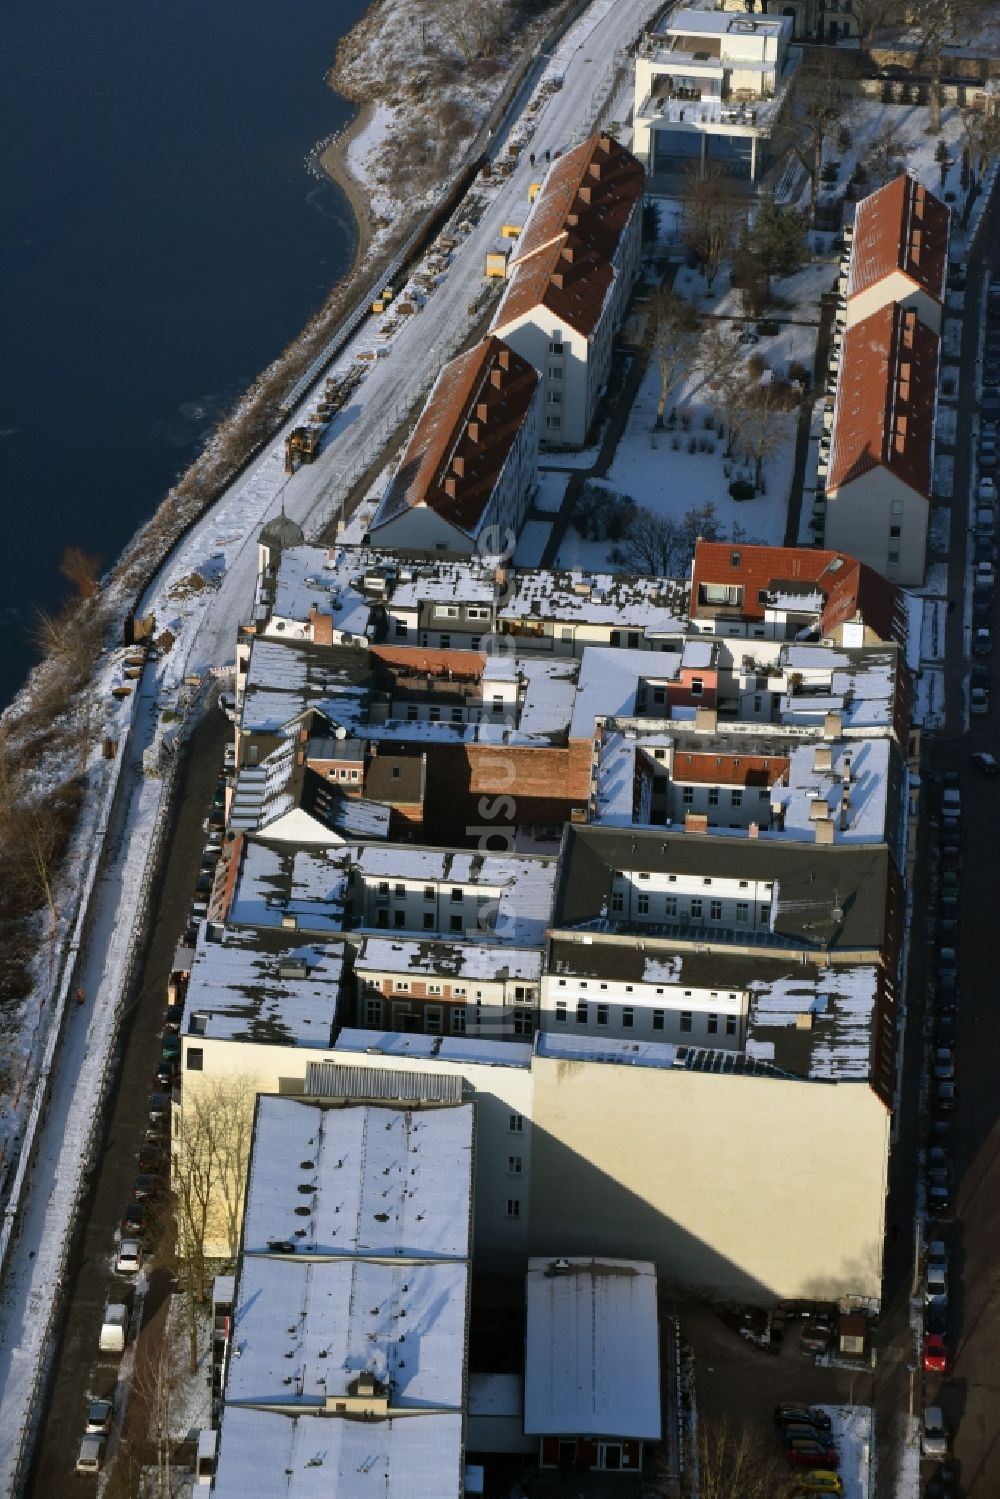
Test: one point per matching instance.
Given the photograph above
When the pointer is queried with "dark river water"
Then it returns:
(160, 242)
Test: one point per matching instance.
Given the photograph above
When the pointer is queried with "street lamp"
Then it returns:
(911, 1370)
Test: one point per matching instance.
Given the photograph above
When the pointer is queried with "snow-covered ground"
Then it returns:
(222, 548)
(551, 491)
(531, 543)
(852, 1428)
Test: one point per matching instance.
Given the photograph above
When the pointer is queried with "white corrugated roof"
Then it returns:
(592, 1364)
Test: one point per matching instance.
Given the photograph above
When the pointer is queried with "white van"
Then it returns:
(934, 1436)
(114, 1328)
(90, 1454)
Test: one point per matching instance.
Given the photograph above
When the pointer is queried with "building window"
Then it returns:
(687, 795)
(399, 918)
(561, 1011)
(628, 1018)
(552, 422)
(455, 923)
(195, 1059)
(730, 1025)
(456, 715)
(602, 1014)
(893, 556)
(383, 887)
(713, 1025)
(432, 1020)
(713, 796)
(434, 713)
(642, 904)
(555, 372)
(697, 686)
(686, 1022)
(670, 905)
(514, 1165)
(742, 912)
(555, 345)
(477, 613)
(715, 910)
(513, 1207)
(445, 611)
(401, 629)
(457, 895)
(515, 1124)
(895, 531)
(617, 900)
(429, 892)
(458, 1020)
(428, 921)
(433, 988)
(555, 397)
(696, 905)
(524, 1023)
(402, 986)
(757, 701)
(581, 1012)
(658, 1020)
(373, 1012)
(412, 712)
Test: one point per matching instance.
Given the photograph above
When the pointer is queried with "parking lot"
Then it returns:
(81, 1371)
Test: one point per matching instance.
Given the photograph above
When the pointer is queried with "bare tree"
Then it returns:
(662, 545)
(155, 1384)
(738, 1462)
(674, 324)
(761, 428)
(476, 27)
(711, 218)
(83, 570)
(820, 109)
(871, 16)
(886, 155)
(939, 24)
(212, 1152)
(982, 129)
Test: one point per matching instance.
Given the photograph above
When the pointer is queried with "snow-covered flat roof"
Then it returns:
(458, 1049)
(253, 986)
(838, 1004)
(263, 1456)
(592, 1365)
(610, 679)
(521, 886)
(598, 599)
(496, 1395)
(472, 582)
(311, 577)
(384, 1182)
(468, 960)
(610, 1049)
(303, 1332)
(283, 680)
(275, 883)
(550, 689)
(864, 798)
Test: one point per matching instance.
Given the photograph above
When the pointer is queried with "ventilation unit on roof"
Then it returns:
(293, 968)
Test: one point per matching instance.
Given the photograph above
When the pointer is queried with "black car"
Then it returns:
(146, 1185)
(810, 1414)
(981, 676)
(173, 1017)
(939, 1198)
(946, 991)
(134, 1221)
(935, 1319)
(167, 1070)
(150, 1157)
(944, 1029)
(159, 1108)
(814, 1338)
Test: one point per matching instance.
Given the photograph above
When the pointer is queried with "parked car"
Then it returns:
(819, 1481)
(981, 676)
(167, 1070)
(170, 1044)
(159, 1107)
(946, 1096)
(947, 931)
(934, 1433)
(150, 1156)
(947, 960)
(173, 1017)
(935, 1354)
(982, 641)
(988, 764)
(99, 1413)
(814, 1339)
(939, 1198)
(938, 1164)
(936, 1319)
(945, 1027)
(146, 1185)
(936, 1280)
(944, 1063)
(134, 1220)
(129, 1258)
(987, 491)
(949, 829)
(227, 704)
(811, 1414)
(951, 856)
(803, 1452)
(796, 1430)
(979, 703)
(91, 1454)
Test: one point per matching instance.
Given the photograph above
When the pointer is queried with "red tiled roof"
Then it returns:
(563, 260)
(886, 398)
(471, 420)
(901, 227)
(848, 587)
(707, 769)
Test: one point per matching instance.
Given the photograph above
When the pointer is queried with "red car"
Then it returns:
(803, 1453)
(935, 1354)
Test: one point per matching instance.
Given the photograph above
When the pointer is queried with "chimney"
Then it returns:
(804, 1020)
(557, 280)
(833, 726)
(845, 769)
(595, 170)
(824, 830)
(503, 357)
(496, 379)
(300, 757)
(458, 467)
(584, 195)
(450, 488)
(695, 822)
(482, 411)
(845, 812)
(572, 219)
(706, 718)
(567, 254)
(823, 757)
(473, 430)
(818, 809)
(753, 831)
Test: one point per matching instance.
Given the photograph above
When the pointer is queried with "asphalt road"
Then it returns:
(970, 1394)
(81, 1372)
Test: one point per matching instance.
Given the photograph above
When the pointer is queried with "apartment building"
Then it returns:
(710, 86)
(463, 481)
(899, 253)
(881, 445)
(570, 278)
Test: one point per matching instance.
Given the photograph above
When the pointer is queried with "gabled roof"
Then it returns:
(886, 400)
(901, 227)
(848, 587)
(564, 260)
(478, 405)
